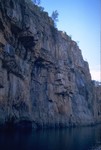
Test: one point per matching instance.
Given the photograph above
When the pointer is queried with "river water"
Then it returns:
(84, 138)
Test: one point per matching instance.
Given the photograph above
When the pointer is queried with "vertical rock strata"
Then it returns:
(43, 77)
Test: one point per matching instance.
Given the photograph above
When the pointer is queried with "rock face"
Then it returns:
(44, 80)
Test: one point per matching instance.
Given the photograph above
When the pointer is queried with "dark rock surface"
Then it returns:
(43, 77)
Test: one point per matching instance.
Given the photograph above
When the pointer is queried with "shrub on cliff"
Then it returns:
(36, 2)
(54, 17)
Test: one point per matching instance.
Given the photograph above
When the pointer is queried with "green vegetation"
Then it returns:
(54, 17)
(36, 2)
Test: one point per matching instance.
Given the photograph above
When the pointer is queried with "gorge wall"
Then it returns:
(43, 77)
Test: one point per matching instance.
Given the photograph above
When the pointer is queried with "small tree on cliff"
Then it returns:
(54, 17)
(36, 2)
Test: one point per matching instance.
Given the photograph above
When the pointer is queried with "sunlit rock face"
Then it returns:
(44, 80)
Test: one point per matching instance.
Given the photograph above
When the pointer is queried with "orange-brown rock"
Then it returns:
(44, 80)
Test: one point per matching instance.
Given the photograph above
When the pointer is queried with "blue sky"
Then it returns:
(80, 19)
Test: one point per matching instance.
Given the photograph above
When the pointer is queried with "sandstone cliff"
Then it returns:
(44, 80)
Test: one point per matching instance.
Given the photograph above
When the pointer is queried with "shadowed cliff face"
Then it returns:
(43, 77)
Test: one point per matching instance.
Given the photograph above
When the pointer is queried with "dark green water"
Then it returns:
(85, 138)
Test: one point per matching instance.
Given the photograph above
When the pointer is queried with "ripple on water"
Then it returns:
(96, 148)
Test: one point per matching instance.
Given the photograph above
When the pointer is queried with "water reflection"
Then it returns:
(87, 138)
